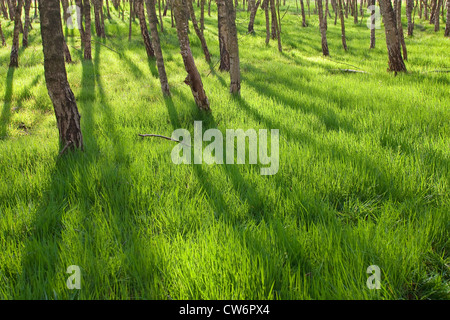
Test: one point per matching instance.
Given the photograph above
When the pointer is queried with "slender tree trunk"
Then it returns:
(144, 31)
(87, 33)
(157, 47)
(27, 23)
(131, 20)
(409, 10)
(2, 35)
(98, 25)
(275, 22)
(4, 10)
(12, 9)
(447, 25)
(254, 8)
(302, 6)
(433, 11)
(341, 17)
(235, 73)
(372, 29)
(67, 54)
(437, 15)
(102, 20)
(323, 30)
(425, 9)
(223, 36)
(400, 28)
(198, 31)
(355, 11)
(265, 6)
(202, 15)
(193, 78)
(14, 58)
(108, 13)
(61, 95)
(80, 27)
(396, 62)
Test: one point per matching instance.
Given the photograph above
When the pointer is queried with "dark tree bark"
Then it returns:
(235, 73)
(160, 17)
(14, 58)
(341, 17)
(193, 78)
(436, 15)
(144, 31)
(65, 14)
(2, 35)
(151, 11)
(4, 10)
(98, 18)
(87, 33)
(433, 11)
(253, 8)
(223, 36)
(61, 95)
(12, 9)
(27, 23)
(323, 30)
(396, 62)
(265, 6)
(198, 31)
(67, 54)
(409, 10)
(275, 24)
(355, 11)
(447, 25)
(302, 6)
(202, 15)
(131, 20)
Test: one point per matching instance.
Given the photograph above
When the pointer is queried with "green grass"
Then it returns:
(363, 180)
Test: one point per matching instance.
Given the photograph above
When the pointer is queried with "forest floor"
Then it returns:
(364, 170)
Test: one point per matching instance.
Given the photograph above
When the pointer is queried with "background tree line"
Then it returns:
(53, 13)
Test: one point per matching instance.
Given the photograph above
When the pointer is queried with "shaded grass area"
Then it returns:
(363, 178)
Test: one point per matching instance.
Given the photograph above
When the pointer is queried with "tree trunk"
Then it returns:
(223, 36)
(14, 58)
(2, 35)
(4, 10)
(12, 9)
(409, 10)
(265, 6)
(425, 9)
(153, 19)
(372, 29)
(87, 33)
(67, 55)
(202, 15)
(254, 8)
(323, 30)
(144, 31)
(437, 15)
(198, 31)
(302, 6)
(61, 95)
(447, 26)
(396, 62)
(27, 23)
(98, 26)
(275, 23)
(341, 17)
(400, 28)
(433, 11)
(193, 78)
(131, 20)
(80, 27)
(235, 73)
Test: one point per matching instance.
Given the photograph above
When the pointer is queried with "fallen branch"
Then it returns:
(343, 63)
(349, 70)
(120, 54)
(163, 137)
(443, 71)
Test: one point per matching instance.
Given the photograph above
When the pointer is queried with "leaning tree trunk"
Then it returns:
(62, 97)
(223, 36)
(341, 17)
(198, 31)
(151, 12)
(323, 30)
(254, 8)
(235, 73)
(400, 28)
(14, 58)
(409, 10)
(193, 78)
(447, 26)
(144, 31)
(87, 32)
(302, 7)
(396, 62)
(27, 23)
